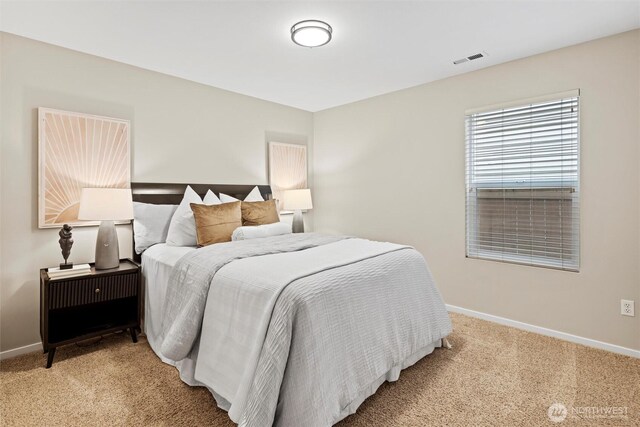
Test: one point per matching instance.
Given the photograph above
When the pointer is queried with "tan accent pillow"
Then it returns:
(215, 223)
(259, 213)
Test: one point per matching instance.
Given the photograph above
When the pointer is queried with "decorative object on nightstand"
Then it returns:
(106, 205)
(76, 270)
(297, 200)
(88, 305)
(66, 242)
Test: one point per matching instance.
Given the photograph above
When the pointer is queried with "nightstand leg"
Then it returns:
(134, 334)
(52, 352)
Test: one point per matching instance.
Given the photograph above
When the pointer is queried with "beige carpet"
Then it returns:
(493, 376)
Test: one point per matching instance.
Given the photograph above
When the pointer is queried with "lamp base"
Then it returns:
(297, 225)
(107, 251)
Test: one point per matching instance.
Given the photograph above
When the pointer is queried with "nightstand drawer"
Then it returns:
(89, 290)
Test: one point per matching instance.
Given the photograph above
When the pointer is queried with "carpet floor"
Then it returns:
(493, 376)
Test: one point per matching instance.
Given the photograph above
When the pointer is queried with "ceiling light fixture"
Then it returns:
(311, 33)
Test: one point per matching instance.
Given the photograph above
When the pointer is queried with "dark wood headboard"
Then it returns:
(171, 194)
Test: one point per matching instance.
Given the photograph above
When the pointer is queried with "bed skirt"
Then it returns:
(186, 368)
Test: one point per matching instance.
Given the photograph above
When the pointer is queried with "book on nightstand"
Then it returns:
(76, 270)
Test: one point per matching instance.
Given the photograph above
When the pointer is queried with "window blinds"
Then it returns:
(522, 181)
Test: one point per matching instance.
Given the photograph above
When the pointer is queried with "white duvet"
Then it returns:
(303, 335)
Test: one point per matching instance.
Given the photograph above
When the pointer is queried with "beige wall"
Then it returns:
(392, 168)
(181, 132)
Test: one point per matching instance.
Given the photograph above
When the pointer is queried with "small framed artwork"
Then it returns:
(287, 169)
(75, 151)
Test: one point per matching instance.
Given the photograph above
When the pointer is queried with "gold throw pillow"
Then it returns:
(259, 213)
(215, 223)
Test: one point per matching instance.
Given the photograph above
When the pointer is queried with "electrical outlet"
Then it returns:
(627, 307)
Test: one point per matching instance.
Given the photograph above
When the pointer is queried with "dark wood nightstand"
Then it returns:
(97, 303)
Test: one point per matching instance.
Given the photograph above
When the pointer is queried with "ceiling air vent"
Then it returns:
(469, 58)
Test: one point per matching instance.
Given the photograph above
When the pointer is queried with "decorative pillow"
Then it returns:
(259, 213)
(259, 231)
(215, 223)
(253, 196)
(151, 224)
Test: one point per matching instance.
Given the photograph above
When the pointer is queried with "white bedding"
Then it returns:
(245, 294)
(376, 299)
(157, 263)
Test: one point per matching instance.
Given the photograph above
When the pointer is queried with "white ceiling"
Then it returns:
(377, 47)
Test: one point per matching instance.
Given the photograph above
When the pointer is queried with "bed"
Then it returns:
(287, 330)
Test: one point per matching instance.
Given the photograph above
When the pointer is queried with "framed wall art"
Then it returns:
(287, 168)
(78, 150)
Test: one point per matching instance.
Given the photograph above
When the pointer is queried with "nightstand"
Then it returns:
(96, 303)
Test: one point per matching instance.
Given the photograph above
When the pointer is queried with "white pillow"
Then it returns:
(258, 231)
(182, 230)
(151, 224)
(211, 199)
(253, 196)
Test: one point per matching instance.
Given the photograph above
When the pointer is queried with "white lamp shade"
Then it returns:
(104, 204)
(297, 199)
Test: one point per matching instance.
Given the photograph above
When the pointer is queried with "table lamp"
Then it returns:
(106, 205)
(296, 200)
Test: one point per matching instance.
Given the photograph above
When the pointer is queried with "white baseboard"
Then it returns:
(544, 331)
(21, 350)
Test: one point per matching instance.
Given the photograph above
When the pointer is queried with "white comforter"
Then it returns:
(302, 337)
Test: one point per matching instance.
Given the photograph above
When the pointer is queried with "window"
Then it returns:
(522, 181)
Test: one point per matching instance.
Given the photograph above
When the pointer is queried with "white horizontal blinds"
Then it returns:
(523, 184)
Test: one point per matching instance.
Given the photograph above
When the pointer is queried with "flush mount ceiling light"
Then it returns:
(311, 33)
